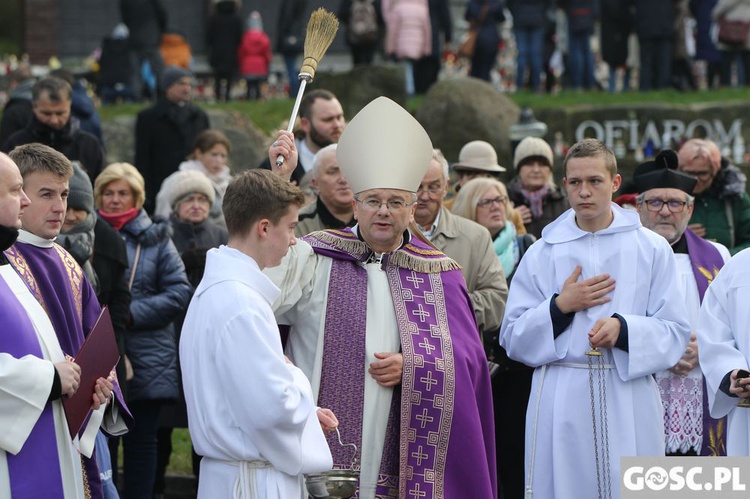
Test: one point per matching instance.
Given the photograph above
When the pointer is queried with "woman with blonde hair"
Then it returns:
(160, 291)
(485, 201)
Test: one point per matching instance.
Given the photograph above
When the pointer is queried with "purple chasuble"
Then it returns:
(445, 446)
(57, 282)
(707, 261)
(35, 470)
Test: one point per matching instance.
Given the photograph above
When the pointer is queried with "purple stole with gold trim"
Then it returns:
(38, 456)
(707, 261)
(73, 313)
(440, 431)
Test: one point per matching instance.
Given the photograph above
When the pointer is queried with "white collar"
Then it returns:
(27, 237)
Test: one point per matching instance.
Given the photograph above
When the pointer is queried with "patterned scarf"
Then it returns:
(536, 200)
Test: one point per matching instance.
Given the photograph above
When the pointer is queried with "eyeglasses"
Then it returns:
(701, 174)
(433, 189)
(658, 204)
(483, 203)
(373, 204)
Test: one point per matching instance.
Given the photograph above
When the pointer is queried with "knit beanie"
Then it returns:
(189, 182)
(81, 196)
(532, 146)
(172, 75)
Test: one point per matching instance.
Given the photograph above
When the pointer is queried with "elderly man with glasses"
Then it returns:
(384, 327)
(665, 205)
(466, 242)
(722, 207)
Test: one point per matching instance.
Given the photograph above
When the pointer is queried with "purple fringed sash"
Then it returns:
(39, 451)
(428, 385)
(415, 456)
(706, 261)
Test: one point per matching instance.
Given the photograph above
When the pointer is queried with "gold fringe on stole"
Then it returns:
(341, 240)
(423, 260)
(423, 265)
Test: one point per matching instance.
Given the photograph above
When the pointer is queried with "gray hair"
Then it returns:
(320, 156)
(437, 155)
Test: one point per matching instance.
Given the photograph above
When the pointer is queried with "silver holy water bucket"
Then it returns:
(334, 484)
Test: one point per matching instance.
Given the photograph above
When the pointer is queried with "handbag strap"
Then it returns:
(135, 265)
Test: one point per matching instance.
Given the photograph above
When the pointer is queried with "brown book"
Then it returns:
(97, 358)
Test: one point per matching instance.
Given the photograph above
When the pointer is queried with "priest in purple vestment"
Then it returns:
(665, 204)
(37, 457)
(383, 325)
(60, 286)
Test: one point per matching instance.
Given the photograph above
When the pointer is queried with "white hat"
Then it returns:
(384, 147)
(533, 147)
(478, 155)
(188, 182)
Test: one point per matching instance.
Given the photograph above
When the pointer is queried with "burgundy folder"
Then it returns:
(97, 358)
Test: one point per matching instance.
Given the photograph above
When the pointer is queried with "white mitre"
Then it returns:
(384, 147)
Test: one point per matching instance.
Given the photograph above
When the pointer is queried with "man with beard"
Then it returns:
(665, 205)
(321, 121)
(52, 125)
(333, 208)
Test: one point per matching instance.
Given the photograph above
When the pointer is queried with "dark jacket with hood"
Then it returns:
(160, 293)
(724, 209)
(70, 140)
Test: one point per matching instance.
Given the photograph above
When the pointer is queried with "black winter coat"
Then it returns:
(223, 37)
(17, 112)
(193, 242)
(164, 137)
(529, 13)
(73, 142)
(654, 18)
(146, 20)
(617, 24)
(291, 24)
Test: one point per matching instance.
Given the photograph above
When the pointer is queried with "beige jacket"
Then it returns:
(469, 244)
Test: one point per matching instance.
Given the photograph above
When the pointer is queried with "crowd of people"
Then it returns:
(517, 45)
(439, 319)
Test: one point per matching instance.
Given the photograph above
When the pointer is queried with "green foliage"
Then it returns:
(181, 462)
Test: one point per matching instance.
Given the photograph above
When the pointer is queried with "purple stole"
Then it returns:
(38, 456)
(46, 272)
(706, 261)
(440, 435)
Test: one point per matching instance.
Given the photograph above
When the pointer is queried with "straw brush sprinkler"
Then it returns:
(321, 30)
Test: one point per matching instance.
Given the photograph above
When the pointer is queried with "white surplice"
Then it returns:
(724, 340)
(683, 401)
(560, 453)
(303, 278)
(251, 415)
(25, 387)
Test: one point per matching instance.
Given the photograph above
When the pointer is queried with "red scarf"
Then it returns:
(118, 220)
